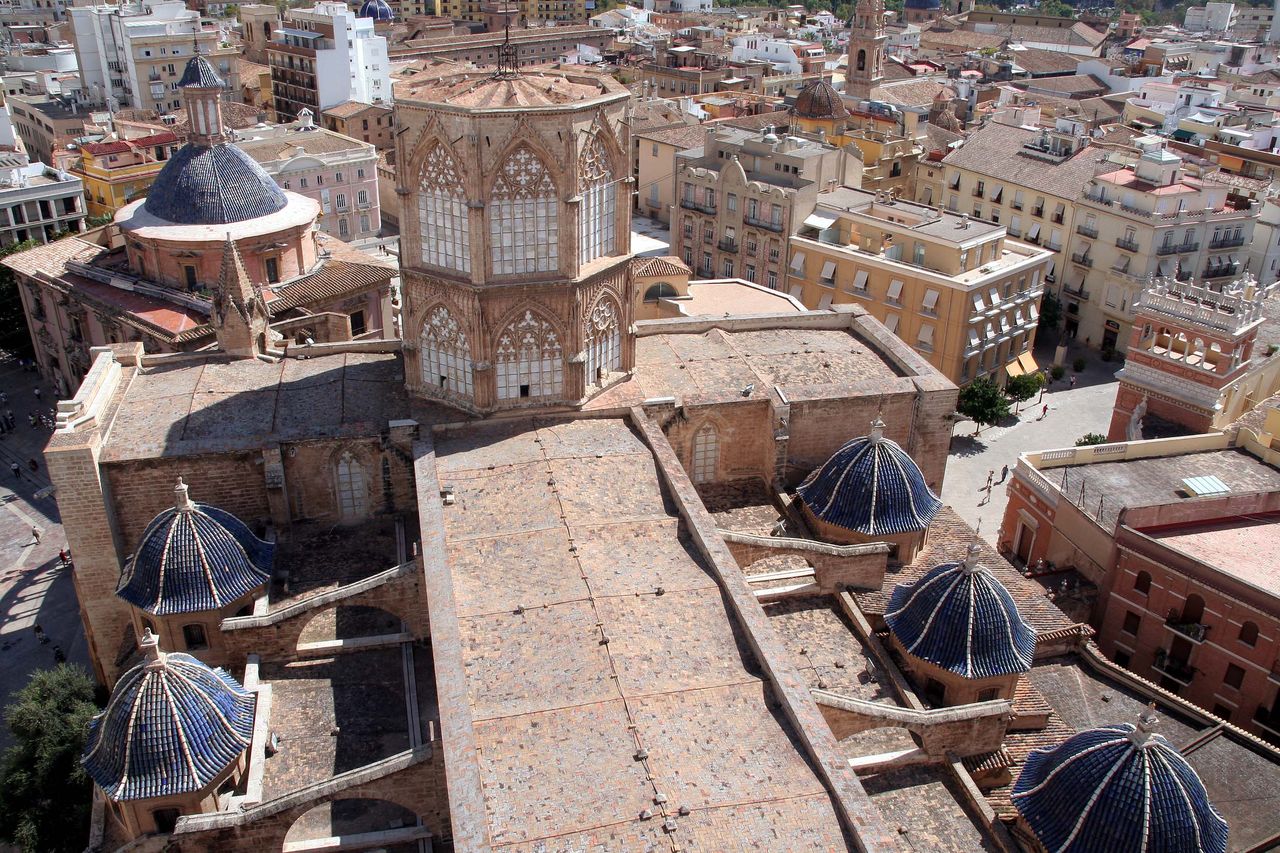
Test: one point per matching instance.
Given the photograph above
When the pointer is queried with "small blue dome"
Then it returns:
(376, 9)
(961, 618)
(200, 72)
(194, 557)
(1117, 788)
(872, 486)
(171, 727)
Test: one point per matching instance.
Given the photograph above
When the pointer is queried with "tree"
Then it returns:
(1022, 388)
(15, 336)
(1050, 312)
(44, 792)
(983, 403)
(1091, 438)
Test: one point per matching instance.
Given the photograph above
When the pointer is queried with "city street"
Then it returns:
(34, 589)
(1072, 413)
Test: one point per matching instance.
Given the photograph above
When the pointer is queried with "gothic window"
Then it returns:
(604, 341)
(529, 360)
(352, 489)
(706, 454)
(446, 355)
(442, 212)
(524, 231)
(598, 215)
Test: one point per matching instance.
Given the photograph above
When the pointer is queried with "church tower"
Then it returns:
(866, 49)
(1188, 344)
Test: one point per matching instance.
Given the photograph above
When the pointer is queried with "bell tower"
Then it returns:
(866, 49)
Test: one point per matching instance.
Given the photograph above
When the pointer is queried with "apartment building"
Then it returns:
(658, 152)
(372, 123)
(1026, 180)
(742, 193)
(38, 202)
(338, 172)
(686, 70)
(957, 289)
(1144, 220)
(132, 55)
(120, 171)
(47, 125)
(325, 56)
(537, 46)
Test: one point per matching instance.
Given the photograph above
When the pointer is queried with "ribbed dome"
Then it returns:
(200, 72)
(961, 618)
(194, 557)
(872, 486)
(819, 100)
(171, 727)
(212, 185)
(1117, 788)
(376, 9)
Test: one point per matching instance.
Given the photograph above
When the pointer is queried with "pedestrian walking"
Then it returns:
(64, 557)
(40, 634)
(991, 475)
(31, 419)
(10, 421)
(3, 427)
(17, 472)
(36, 391)
(58, 655)
(33, 465)
(1044, 411)
(1004, 473)
(35, 533)
(1073, 381)
(4, 398)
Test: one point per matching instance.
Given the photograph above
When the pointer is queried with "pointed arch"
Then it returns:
(529, 358)
(444, 227)
(598, 213)
(706, 453)
(603, 339)
(524, 215)
(351, 485)
(445, 353)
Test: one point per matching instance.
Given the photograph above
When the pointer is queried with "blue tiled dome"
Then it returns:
(194, 557)
(200, 72)
(961, 618)
(212, 185)
(376, 9)
(172, 725)
(872, 486)
(1117, 788)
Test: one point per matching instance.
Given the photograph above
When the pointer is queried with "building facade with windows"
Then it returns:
(1151, 219)
(743, 193)
(372, 123)
(324, 56)
(957, 289)
(337, 172)
(38, 202)
(118, 172)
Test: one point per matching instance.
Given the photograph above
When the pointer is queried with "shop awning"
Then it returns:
(1183, 135)
(821, 221)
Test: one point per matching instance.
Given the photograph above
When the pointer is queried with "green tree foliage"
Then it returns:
(982, 402)
(1091, 438)
(44, 792)
(1050, 312)
(1024, 387)
(14, 335)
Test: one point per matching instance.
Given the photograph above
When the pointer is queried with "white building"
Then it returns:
(1210, 18)
(787, 56)
(37, 202)
(1264, 248)
(325, 56)
(131, 55)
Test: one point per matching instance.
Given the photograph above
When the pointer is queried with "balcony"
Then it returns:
(1082, 260)
(1078, 292)
(1127, 245)
(1087, 231)
(690, 204)
(978, 192)
(760, 223)
(1058, 217)
(1194, 631)
(1227, 242)
(1267, 719)
(1177, 249)
(727, 245)
(1053, 247)
(1037, 212)
(1220, 270)
(1179, 670)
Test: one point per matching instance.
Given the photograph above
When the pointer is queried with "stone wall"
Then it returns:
(836, 567)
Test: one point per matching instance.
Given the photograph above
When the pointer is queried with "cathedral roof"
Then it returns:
(213, 185)
(194, 557)
(171, 727)
(819, 100)
(961, 618)
(1117, 787)
(376, 9)
(872, 486)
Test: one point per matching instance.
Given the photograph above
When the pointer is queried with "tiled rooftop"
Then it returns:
(925, 803)
(1248, 550)
(576, 511)
(997, 151)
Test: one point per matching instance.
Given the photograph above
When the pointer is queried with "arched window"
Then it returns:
(1142, 583)
(266, 30)
(193, 637)
(442, 212)
(1249, 633)
(524, 230)
(862, 60)
(529, 359)
(598, 214)
(661, 290)
(706, 454)
(604, 341)
(1193, 610)
(353, 490)
(446, 355)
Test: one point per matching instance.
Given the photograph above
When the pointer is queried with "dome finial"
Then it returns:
(150, 646)
(971, 563)
(877, 430)
(1148, 722)
(181, 502)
